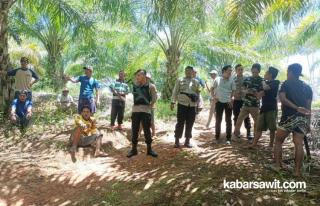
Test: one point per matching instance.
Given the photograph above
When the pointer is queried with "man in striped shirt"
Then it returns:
(120, 89)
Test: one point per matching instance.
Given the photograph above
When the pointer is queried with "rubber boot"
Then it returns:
(249, 137)
(133, 151)
(176, 143)
(187, 143)
(150, 151)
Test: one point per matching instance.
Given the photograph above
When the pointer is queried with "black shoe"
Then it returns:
(177, 143)
(237, 135)
(133, 151)
(216, 140)
(249, 137)
(151, 152)
(187, 143)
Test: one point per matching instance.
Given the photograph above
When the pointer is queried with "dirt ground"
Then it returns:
(36, 169)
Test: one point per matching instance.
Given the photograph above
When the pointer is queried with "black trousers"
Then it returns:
(237, 104)
(220, 107)
(185, 116)
(145, 119)
(117, 111)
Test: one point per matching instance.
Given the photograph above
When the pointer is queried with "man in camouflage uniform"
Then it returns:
(251, 102)
(186, 93)
(238, 99)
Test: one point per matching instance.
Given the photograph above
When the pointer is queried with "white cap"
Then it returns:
(213, 72)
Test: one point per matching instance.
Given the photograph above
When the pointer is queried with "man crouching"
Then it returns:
(86, 133)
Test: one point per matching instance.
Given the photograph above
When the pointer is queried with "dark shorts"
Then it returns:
(22, 121)
(267, 120)
(88, 102)
(298, 124)
(88, 140)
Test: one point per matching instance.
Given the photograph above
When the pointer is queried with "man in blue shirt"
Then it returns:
(21, 109)
(87, 87)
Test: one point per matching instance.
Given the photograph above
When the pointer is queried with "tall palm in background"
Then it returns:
(170, 23)
(5, 83)
(52, 22)
(207, 33)
(55, 24)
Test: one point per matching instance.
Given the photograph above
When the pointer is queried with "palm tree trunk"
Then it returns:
(55, 70)
(173, 62)
(6, 91)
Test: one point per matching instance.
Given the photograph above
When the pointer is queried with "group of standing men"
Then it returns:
(238, 95)
(243, 96)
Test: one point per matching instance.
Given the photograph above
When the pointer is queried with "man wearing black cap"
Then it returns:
(87, 87)
(186, 92)
(296, 97)
(268, 111)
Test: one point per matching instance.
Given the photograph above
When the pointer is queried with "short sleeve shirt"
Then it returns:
(223, 89)
(269, 100)
(88, 126)
(64, 99)
(21, 107)
(238, 94)
(252, 84)
(182, 86)
(87, 87)
(120, 87)
(23, 77)
(298, 93)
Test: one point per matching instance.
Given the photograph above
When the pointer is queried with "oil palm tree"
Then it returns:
(53, 22)
(170, 23)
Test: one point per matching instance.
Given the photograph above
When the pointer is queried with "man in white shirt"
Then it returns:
(64, 100)
(213, 74)
(224, 87)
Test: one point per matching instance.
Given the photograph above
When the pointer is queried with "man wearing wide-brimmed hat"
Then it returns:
(65, 100)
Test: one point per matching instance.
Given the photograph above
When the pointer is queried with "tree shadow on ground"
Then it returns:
(38, 170)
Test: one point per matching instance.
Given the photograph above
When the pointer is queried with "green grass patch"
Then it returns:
(163, 110)
(316, 104)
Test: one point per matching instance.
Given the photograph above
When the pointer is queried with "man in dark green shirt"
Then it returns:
(253, 89)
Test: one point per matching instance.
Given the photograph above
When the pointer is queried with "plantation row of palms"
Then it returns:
(159, 35)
